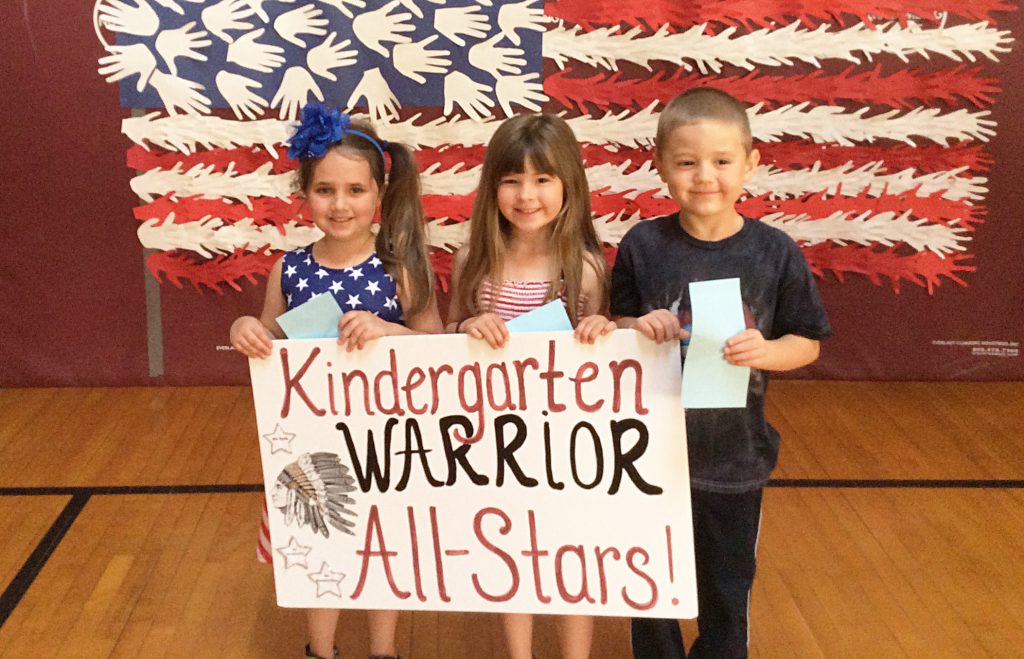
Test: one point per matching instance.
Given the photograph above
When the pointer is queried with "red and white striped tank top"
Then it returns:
(514, 298)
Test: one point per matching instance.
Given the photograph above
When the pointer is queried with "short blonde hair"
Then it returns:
(703, 104)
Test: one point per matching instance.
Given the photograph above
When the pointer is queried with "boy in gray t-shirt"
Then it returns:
(703, 152)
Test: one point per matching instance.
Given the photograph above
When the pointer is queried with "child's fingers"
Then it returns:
(745, 336)
(352, 342)
(264, 347)
(591, 329)
(644, 328)
(661, 330)
(371, 332)
(348, 329)
(494, 336)
(250, 347)
(746, 354)
(583, 333)
(349, 321)
(497, 332)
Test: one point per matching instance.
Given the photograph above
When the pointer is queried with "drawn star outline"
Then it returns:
(294, 553)
(280, 441)
(328, 582)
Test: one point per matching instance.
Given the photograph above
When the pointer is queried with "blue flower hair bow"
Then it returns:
(319, 128)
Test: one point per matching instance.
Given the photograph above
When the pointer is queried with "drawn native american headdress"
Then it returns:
(315, 491)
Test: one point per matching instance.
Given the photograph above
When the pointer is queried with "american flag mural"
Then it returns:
(872, 116)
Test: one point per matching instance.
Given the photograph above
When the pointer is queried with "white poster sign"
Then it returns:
(434, 473)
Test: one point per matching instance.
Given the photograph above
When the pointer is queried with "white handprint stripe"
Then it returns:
(823, 124)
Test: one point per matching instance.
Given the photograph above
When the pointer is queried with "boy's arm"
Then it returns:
(800, 322)
(750, 348)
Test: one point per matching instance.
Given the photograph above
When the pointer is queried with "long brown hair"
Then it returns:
(549, 145)
(401, 242)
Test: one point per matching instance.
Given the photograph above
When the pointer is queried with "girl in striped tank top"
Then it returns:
(531, 241)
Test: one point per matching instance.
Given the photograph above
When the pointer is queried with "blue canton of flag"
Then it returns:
(351, 55)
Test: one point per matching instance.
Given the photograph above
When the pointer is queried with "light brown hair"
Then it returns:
(550, 147)
(703, 104)
(401, 243)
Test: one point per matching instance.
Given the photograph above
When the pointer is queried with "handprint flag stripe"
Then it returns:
(782, 47)
(212, 235)
(277, 213)
(903, 89)
(766, 13)
(873, 117)
(794, 153)
(844, 180)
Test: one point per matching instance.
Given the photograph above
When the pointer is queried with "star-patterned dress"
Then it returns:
(362, 287)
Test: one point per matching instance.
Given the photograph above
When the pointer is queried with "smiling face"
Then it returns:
(343, 196)
(530, 200)
(705, 165)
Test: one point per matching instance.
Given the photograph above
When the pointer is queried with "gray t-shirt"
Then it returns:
(730, 450)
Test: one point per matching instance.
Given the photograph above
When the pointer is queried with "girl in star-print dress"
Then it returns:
(383, 282)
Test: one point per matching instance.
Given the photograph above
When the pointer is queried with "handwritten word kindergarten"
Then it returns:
(436, 473)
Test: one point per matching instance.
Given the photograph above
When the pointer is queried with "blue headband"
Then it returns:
(319, 128)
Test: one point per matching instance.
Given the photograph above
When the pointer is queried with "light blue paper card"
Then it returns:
(315, 319)
(550, 317)
(708, 380)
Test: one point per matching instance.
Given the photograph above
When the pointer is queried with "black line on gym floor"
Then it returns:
(827, 483)
(100, 490)
(922, 484)
(81, 495)
(34, 565)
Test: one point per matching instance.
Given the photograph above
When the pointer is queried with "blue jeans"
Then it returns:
(725, 530)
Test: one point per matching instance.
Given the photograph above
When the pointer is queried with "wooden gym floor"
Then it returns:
(894, 527)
